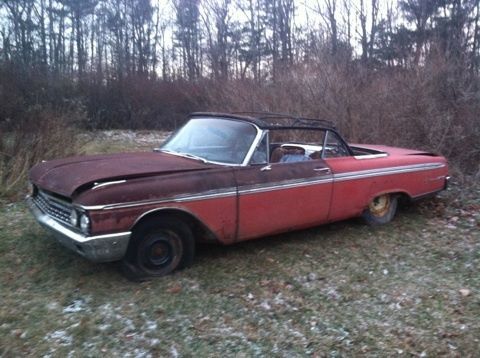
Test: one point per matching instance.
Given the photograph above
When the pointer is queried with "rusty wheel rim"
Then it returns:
(160, 250)
(159, 253)
(380, 205)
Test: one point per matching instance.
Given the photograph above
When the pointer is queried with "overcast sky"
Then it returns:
(307, 13)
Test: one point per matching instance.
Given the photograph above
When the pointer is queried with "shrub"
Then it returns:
(431, 109)
(39, 134)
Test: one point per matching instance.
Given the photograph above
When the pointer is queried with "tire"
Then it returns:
(159, 246)
(381, 210)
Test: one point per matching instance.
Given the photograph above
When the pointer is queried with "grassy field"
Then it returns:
(411, 288)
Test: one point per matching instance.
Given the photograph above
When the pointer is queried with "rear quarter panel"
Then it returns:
(358, 181)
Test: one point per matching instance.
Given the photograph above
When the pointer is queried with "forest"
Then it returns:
(400, 72)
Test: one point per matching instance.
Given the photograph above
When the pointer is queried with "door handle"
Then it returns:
(266, 168)
(322, 170)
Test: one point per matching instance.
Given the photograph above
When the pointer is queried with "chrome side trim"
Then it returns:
(386, 171)
(285, 185)
(370, 156)
(258, 188)
(100, 185)
(214, 194)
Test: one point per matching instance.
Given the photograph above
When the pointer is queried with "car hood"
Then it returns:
(66, 176)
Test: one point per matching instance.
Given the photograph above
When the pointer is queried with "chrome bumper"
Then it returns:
(101, 248)
(447, 181)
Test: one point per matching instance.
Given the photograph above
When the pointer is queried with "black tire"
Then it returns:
(381, 210)
(159, 246)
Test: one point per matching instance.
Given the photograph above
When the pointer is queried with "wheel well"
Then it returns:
(200, 231)
(403, 197)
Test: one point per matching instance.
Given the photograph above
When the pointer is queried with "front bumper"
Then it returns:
(103, 248)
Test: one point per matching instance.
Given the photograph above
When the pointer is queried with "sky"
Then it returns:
(307, 13)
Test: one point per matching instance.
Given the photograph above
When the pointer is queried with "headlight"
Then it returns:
(84, 223)
(74, 217)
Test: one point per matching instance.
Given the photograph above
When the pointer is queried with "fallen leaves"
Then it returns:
(409, 288)
(174, 289)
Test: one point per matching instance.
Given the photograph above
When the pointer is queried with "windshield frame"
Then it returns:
(246, 159)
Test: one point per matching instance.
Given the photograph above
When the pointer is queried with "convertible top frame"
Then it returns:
(278, 121)
(270, 120)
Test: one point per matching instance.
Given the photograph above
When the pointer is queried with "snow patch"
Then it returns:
(59, 337)
(77, 305)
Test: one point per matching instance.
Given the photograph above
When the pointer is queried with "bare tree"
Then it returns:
(217, 25)
(331, 23)
(188, 36)
(253, 53)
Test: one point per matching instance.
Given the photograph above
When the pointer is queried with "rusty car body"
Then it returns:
(223, 178)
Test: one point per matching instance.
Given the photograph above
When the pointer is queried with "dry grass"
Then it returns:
(114, 141)
(41, 134)
(344, 289)
(410, 288)
(429, 109)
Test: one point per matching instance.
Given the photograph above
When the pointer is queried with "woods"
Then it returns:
(395, 72)
(106, 40)
(105, 76)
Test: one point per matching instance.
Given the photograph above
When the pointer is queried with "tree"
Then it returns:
(419, 12)
(250, 53)
(142, 28)
(79, 10)
(331, 23)
(218, 26)
(188, 36)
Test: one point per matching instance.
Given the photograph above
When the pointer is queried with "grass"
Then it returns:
(114, 141)
(410, 288)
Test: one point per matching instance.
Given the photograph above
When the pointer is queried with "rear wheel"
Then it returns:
(381, 210)
(159, 246)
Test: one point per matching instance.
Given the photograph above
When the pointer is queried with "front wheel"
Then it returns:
(158, 247)
(381, 210)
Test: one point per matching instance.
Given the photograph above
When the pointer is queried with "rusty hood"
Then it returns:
(66, 176)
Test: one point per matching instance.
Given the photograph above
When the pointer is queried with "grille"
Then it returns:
(56, 208)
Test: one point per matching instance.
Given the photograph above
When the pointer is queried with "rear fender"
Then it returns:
(398, 192)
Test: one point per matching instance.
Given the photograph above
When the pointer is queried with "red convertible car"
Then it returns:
(223, 178)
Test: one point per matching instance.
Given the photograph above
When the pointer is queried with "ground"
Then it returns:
(410, 288)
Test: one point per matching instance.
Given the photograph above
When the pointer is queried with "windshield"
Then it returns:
(213, 139)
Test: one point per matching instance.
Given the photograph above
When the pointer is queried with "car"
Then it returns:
(224, 178)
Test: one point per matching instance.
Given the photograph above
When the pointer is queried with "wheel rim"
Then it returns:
(380, 205)
(159, 251)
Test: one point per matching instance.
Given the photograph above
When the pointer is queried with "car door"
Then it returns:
(349, 192)
(349, 195)
(278, 197)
